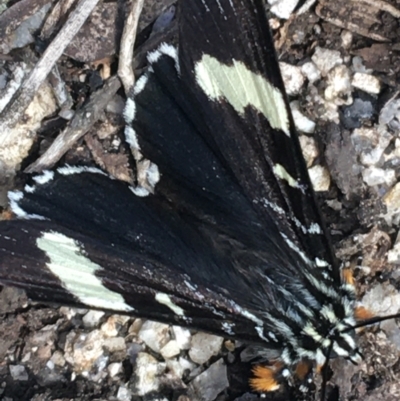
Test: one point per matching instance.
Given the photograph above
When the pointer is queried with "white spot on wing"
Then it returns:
(281, 173)
(321, 263)
(205, 5)
(339, 350)
(190, 286)
(165, 299)
(314, 229)
(249, 316)
(329, 291)
(15, 197)
(285, 355)
(153, 174)
(164, 49)
(228, 328)
(320, 357)
(310, 330)
(274, 207)
(295, 248)
(242, 88)
(77, 272)
(29, 189)
(140, 191)
(140, 84)
(131, 138)
(129, 110)
(260, 332)
(272, 336)
(221, 10)
(348, 287)
(44, 178)
(329, 314)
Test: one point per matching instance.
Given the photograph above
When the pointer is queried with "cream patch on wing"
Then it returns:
(241, 88)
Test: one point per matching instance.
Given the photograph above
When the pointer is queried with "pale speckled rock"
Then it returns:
(155, 335)
(19, 373)
(180, 366)
(211, 382)
(311, 72)
(302, 123)
(370, 143)
(58, 359)
(274, 23)
(309, 149)
(44, 337)
(69, 313)
(114, 369)
(124, 394)
(282, 8)
(392, 332)
(394, 254)
(80, 311)
(28, 356)
(92, 318)
(135, 327)
(16, 143)
(326, 59)
(320, 178)
(113, 324)
(381, 300)
(133, 350)
(204, 346)
(347, 39)
(390, 114)
(338, 90)
(82, 351)
(175, 368)
(23, 35)
(334, 204)
(392, 203)
(385, 300)
(293, 78)
(148, 371)
(170, 349)
(114, 344)
(367, 83)
(377, 176)
(182, 336)
(357, 65)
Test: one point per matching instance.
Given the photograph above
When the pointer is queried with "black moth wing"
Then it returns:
(89, 241)
(246, 118)
(230, 238)
(234, 146)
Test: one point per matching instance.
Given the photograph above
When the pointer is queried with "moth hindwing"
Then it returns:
(231, 241)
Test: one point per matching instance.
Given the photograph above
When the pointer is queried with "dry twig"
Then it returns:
(80, 124)
(14, 111)
(125, 70)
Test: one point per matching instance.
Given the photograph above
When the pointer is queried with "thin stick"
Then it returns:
(79, 126)
(125, 70)
(14, 111)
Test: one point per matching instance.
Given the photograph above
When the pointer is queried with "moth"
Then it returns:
(226, 237)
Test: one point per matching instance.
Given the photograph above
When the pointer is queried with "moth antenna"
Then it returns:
(371, 321)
